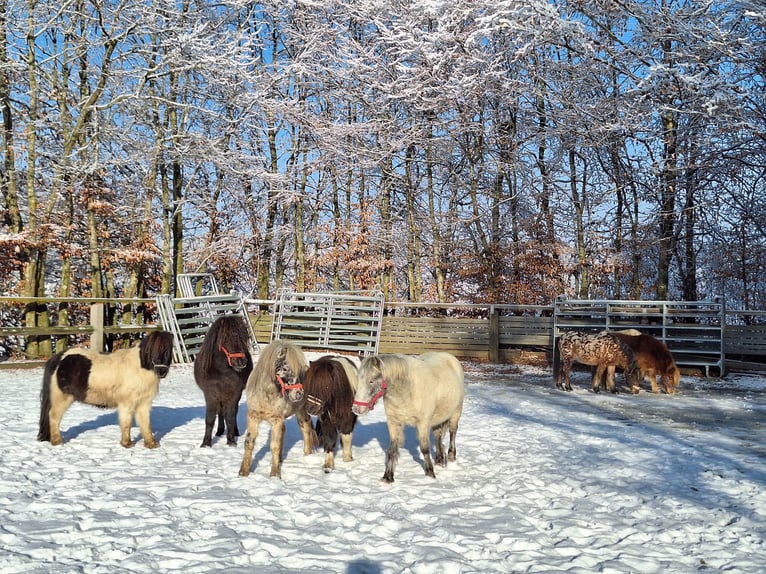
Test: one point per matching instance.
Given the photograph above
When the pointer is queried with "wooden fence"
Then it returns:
(496, 333)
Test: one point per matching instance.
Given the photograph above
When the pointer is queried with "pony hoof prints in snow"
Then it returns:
(127, 379)
(602, 350)
(274, 392)
(425, 392)
(221, 369)
(329, 384)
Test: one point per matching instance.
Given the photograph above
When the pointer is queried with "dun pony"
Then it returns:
(602, 350)
(330, 384)
(274, 392)
(425, 392)
(127, 379)
(221, 369)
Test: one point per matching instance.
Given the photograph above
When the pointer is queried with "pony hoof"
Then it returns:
(387, 479)
(231, 443)
(127, 444)
(206, 444)
(327, 470)
(152, 444)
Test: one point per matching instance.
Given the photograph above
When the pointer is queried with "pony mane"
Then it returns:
(631, 364)
(321, 377)
(263, 372)
(156, 349)
(229, 331)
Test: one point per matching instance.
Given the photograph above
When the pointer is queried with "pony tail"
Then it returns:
(44, 429)
(630, 358)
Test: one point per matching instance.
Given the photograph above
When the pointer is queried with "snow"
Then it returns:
(545, 481)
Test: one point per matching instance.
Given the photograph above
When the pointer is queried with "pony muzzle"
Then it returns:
(161, 370)
(314, 405)
(236, 361)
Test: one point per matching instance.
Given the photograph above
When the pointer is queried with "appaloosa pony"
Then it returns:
(127, 379)
(425, 392)
(654, 360)
(330, 384)
(221, 369)
(274, 392)
(601, 350)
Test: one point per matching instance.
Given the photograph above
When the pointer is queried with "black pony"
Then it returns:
(221, 369)
(330, 384)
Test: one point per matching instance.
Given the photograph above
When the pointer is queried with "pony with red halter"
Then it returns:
(274, 392)
(425, 392)
(602, 350)
(329, 384)
(221, 369)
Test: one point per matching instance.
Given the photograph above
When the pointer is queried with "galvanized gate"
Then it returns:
(342, 321)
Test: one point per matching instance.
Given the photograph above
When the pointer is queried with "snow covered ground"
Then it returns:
(545, 481)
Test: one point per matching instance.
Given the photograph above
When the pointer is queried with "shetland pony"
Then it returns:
(274, 392)
(601, 350)
(221, 369)
(127, 379)
(330, 384)
(653, 358)
(425, 392)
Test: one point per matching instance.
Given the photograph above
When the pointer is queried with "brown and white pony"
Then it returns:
(127, 379)
(654, 360)
(425, 392)
(274, 392)
(330, 384)
(221, 369)
(602, 350)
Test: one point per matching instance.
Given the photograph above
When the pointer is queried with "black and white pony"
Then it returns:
(221, 368)
(127, 379)
(425, 392)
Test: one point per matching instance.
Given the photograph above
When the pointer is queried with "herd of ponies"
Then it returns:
(425, 391)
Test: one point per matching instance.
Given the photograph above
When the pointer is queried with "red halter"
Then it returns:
(287, 387)
(230, 356)
(374, 398)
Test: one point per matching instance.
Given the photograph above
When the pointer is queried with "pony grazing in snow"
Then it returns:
(425, 392)
(127, 379)
(330, 384)
(274, 392)
(602, 350)
(221, 369)
(654, 360)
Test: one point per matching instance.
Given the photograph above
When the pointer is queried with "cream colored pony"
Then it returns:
(274, 392)
(425, 392)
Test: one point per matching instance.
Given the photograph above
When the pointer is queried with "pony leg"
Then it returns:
(56, 413)
(210, 414)
(453, 424)
(653, 380)
(125, 418)
(329, 442)
(566, 366)
(610, 386)
(396, 438)
(221, 418)
(424, 439)
(277, 445)
(143, 419)
(595, 382)
(250, 436)
(441, 460)
(345, 441)
(230, 414)
(309, 434)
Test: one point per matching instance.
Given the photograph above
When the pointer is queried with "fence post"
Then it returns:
(494, 335)
(97, 322)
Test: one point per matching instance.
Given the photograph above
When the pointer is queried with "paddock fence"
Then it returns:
(491, 332)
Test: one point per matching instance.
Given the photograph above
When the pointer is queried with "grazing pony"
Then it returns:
(127, 379)
(221, 369)
(603, 350)
(330, 384)
(274, 392)
(425, 392)
(653, 358)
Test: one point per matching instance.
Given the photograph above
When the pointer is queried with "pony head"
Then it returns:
(289, 368)
(371, 386)
(156, 353)
(232, 339)
(670, 379)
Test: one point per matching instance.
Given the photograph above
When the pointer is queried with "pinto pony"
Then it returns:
(602, 350)
(127, 379)
(274, 392)
(425, 392)
(330, 384)
(653, 358)
(221, 369)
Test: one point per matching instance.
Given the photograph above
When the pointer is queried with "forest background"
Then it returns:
(461, 150)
